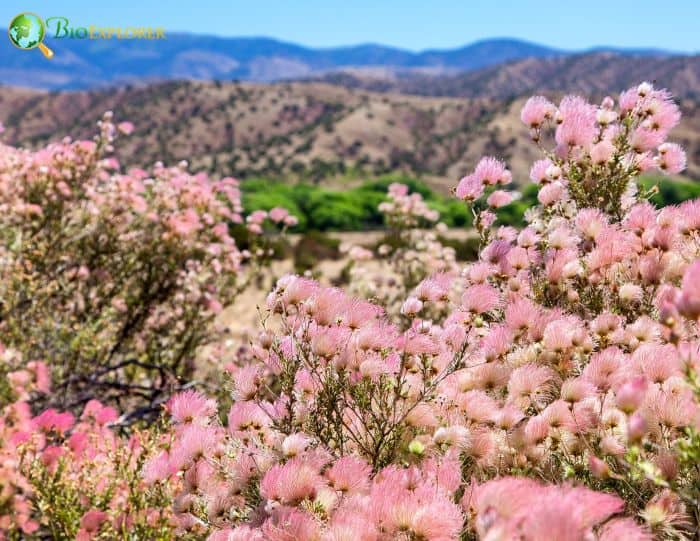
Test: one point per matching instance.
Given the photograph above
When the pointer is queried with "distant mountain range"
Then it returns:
(320, 114)
(590, 74)
(81, 64)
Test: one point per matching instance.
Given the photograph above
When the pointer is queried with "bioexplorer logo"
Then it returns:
(27, 31)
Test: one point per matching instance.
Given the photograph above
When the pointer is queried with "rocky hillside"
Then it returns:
(316, 131)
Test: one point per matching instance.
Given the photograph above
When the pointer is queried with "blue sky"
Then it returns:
(411, 24)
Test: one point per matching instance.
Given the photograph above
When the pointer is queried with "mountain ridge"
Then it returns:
(588, 73)
(84, 64)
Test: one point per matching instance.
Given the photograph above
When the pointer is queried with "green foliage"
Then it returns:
(670, 192)
(62, 496)
(355, 209)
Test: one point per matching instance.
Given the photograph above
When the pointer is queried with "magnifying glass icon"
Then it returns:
(27, 31)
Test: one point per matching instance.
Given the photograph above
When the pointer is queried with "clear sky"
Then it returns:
(411, 24)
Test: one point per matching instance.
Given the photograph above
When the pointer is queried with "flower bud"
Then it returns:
(295, 444)
(266, 340)
(416, 448)
(644, 89)
(411, 307)
(607, 103)
(553, 172)
(326, 499)
(599, 468)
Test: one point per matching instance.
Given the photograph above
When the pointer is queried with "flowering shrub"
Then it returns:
(113, 278)
(409, 254)
(549, 390)
(74, 478)
(571, 356)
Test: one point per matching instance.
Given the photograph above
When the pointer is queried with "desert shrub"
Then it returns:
(409, 251)
(567, 354)
(112, 278)
(66, 478)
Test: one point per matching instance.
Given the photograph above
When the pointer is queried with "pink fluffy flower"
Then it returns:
(536, 110)
(411, 307)
(624, 529)
(437, 520)
(630, 396)
(538, 171)
(527, 383)
(102, 415)
(278, 214)
(689, 300)
(629, 99)
(578, 122)
(194, 442)
(644, 139)
(291, 483)
(551, 193)
(191, 407)
(51, 420)
(601, 152)
(156, 468)
(349, 475)
(92, 520)
(480, 298)
(125, 127)
(241, 533)
(289, 524)
(470, 188)
(500, 198)
(671, 159)
(257, 217)
(491, 171)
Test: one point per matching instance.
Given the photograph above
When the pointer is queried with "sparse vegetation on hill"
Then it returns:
(314, 132)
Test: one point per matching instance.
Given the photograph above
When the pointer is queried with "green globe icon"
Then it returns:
(27, 32)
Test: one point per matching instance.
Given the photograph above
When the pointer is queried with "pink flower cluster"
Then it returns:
(132, 266)
(598, 150)
(46, 458)
(277, 215)
(503, 509)
(406, 210)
